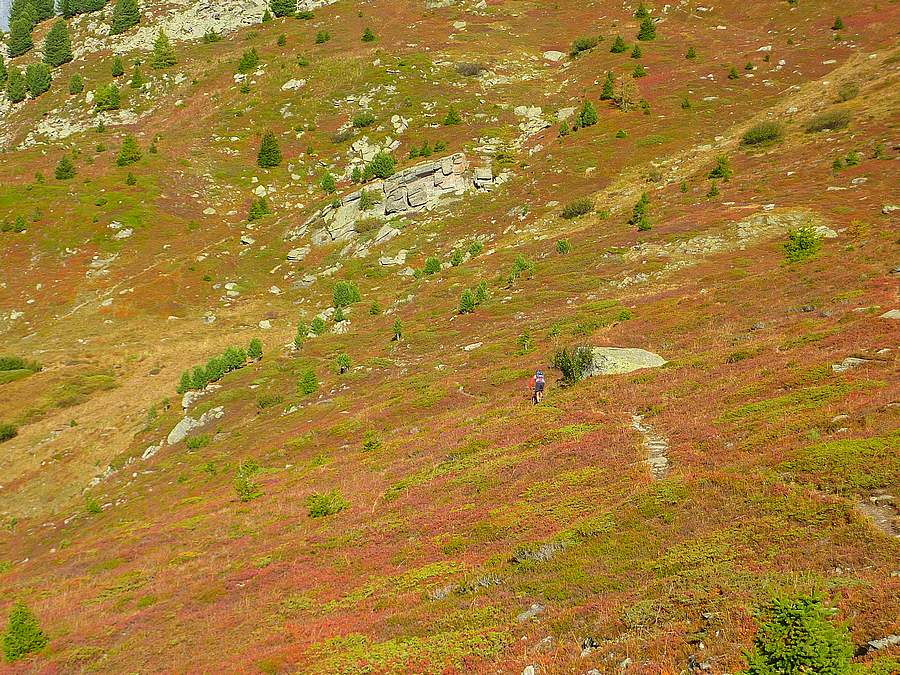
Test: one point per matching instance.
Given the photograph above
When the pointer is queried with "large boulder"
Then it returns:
(619, 360)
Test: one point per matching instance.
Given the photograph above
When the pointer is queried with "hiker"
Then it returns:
(536, 385)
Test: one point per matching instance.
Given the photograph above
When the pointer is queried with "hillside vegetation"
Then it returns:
(274, 279)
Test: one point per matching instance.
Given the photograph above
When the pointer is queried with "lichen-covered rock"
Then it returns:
(619, 360)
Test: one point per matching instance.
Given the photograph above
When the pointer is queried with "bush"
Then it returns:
(764, 132)
(733, 73)
(368, 35)
(848, 90)
(328, 185)
(397, 331)
(317, 326)
(308, 382)
(470, 69)
(802, 244)
(129, 153)
(563, 247)
(107, 98)
(640, 214)
(363, 120)
(249, 61)
(254, 350)
(246, 488)
(322, 37)
(345, 293)
(796, 637)
(579, 207)
(76, 85)
(197, 442)
(691, 53)
(573, 363)
(118, 68)
(467, 303)
(8, 431)
(432, 266)
(583, 44)
(722, 169)
(456, 258)
(371, 441)
(647, 30)
(476, 248)
(259, 208)
(830, 120)
(618, 45)
(639, 71)
(452, 118)
(23, 634)
(382, 166)
(342, 363)
(327, 504)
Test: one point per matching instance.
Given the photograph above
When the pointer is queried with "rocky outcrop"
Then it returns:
(418, 188)
(187, 424)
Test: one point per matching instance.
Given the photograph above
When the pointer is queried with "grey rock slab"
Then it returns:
(620, 360)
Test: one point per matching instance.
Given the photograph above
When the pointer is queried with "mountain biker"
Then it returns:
(536, 384)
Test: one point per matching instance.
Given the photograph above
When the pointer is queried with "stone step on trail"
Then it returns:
(657, 447)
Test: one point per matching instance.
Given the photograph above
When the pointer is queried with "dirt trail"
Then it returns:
(657, 447)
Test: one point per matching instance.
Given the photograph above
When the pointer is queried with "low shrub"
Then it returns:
(830, 120)
(577, 208)
(764, 132)
(573, 363)
(583, 44)
(321, 505)
(8, 431)
(802, 244)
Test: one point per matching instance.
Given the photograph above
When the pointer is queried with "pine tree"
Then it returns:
(57, 45)
(19, 40)
(4, 73)
(269, 153)
(15, 86)
(267, 16)
(691, 53)
(588, 115)
(722, 169)
(838, 23)
(283, 7)
(163, 52)
(642, 12)
(609, 85)
(130, 152)
(327, 183)
(37, 78)
(23, 634)
(118, 68)
(452, 118)
(65, 169)
(254, 350)
(125, 15)
(44, 9)
(636, 53)
(137, 78)
(368, 35)
(640, 213)
(618, 45)
(648, 30)
(67, 8)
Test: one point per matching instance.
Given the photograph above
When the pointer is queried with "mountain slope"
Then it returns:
(480, 533)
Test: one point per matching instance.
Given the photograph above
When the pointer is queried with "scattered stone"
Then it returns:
(150, 451)
(265, 324)
(759, 325)
(890, 208)
(529, 670)
(588, 645)
(293, 85)
(554, 56)
(533, 611)
(298, 254)
(247, 240)
(472, 347)
(882, 643)
(891, 314)
(848, 363)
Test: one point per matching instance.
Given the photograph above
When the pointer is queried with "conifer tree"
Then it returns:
(67, 8)
(118, 68)
(163, 52)
(4, 73)
(648, 29)
(45, 9)
(19, 40)
(609, 85)
(125, 15)
(65, 169)
(15, 86)
(642, 12)
(137, 78)
(57, 45)
(37, 78)
(129, 153)
(107, 98)
(23, 634)
(588, 115)
(327, 183)
(618, 45)
(283, 7)
(269, 153)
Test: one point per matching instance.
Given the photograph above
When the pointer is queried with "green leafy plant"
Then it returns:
(321, 505)
(246, 488)
(23, 634)
(802, 244)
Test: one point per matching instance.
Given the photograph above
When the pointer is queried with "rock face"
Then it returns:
(619, 360)
(418, 188)
(186, 425)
